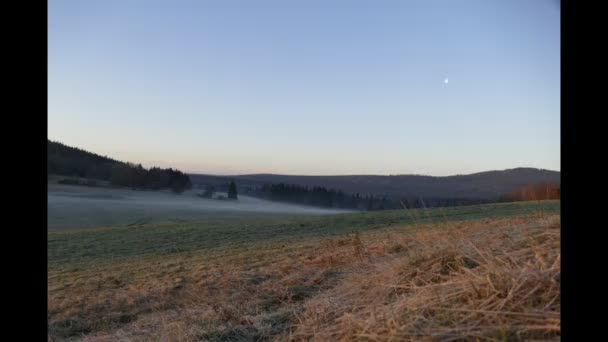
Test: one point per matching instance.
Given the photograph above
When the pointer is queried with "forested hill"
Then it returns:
(488, 185)
(71, 161)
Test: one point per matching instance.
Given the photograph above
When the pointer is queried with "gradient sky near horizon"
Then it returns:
(308, 87)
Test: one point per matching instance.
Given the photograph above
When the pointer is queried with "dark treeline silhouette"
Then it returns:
(330, 198)
(70, 161)
(315, 196)
(232, 194)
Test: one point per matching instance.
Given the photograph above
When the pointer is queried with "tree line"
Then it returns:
(317, 196)
(330, 198)
(70, 161)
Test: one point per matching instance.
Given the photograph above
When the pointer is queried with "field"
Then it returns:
(73, 207)
(487, 271)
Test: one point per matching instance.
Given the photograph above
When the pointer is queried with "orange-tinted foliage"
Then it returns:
(535, 192)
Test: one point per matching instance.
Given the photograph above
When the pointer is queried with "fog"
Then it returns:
(82, 207)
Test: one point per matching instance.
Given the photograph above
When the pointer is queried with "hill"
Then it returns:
(74, 162)
(489, 185)
(459, 189)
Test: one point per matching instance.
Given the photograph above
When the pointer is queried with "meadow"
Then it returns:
(75, 207)
(488, 271)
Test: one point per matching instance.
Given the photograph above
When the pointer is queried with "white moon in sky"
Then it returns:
(446, 80)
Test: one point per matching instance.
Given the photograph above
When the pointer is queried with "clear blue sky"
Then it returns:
(308, 87)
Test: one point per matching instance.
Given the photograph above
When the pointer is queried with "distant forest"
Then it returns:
(317, 196)
(394, 192)
(489, 185)
(379, 192)
(70, 161)
(331, 198)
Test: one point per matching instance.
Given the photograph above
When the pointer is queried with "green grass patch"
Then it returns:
(116, 243)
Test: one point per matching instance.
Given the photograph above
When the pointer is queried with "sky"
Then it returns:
(308, 87)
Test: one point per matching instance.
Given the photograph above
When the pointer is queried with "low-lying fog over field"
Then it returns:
(82, 207)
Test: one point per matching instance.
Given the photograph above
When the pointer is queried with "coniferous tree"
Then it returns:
(232, 194)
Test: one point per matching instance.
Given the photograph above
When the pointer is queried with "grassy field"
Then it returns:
(363, 276)
(75, 207)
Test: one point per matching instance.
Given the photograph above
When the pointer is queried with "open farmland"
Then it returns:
(367, 276)
(71, 207)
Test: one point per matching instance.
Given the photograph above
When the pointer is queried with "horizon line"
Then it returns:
(361, 174)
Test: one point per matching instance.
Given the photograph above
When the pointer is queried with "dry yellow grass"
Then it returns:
(487, 279)
(497, 280)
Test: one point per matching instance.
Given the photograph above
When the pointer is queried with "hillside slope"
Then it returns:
(483, 185)
(74, 162)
